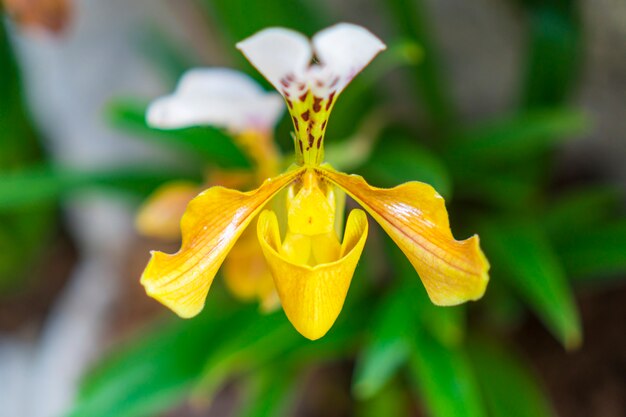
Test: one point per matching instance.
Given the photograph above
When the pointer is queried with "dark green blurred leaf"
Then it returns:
(398, 160)
(42, 184)
(273, 392)
(555, 53)
(521, 254)
(248, 349)
(513, 191)
(504, 307)
(389, 345)
(509, 388)
(411, 21)
(159, 371)
(210, 144)
(594, 252)
(580, 208)
(23, 233)
(392, 401)
(517, 137)
(18, 139)
(241, 18)
(445, 379)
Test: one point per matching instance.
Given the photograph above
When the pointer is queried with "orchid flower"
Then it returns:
(230, 100)
(311, 261)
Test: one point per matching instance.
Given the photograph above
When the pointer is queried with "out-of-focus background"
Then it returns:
(514, 110)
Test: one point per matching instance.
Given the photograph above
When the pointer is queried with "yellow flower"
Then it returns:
(231, 100)
(311, 260)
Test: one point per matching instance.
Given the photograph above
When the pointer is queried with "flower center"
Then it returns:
(310, 108)
(311, 208)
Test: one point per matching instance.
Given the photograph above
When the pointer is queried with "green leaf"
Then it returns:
(509, 388)
(273, 391)
(23, 233)
(555, 38)
(516, 137)
(389, 345)
(501, 188)
(521, 253)
(241, 18)
(397, 160)
(210, 144)
(159, 371)
(44, 184)
(594, 252)
(393, 401)
(444, 379)
(269, 337)
(580, 208)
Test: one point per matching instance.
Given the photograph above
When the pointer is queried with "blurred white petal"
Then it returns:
(218, 97)
(278, 53)
(345, 49)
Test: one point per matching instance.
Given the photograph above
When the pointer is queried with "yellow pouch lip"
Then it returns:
(313, 296)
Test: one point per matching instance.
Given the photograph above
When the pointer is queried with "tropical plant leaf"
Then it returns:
(23, 233)
(594, 252)
(45, 184)
(555, 37)
(389, 345)
(509, 388)
(393, 400)
(273, 392)
(580, 208)
(241, 18)
(516, 137)
(444, 379)
(521, 253)
(159, 371)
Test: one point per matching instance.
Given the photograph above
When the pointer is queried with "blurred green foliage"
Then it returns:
(24, 231)
(499, 179)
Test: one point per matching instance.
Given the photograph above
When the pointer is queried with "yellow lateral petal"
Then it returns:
(312, 297)
(210, 227)
(415, 217)
(160, 215)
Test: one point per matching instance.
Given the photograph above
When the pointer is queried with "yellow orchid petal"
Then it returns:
(246, 273)
(415, 217)
(210, 227)
(160, 215)
(312, 296)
